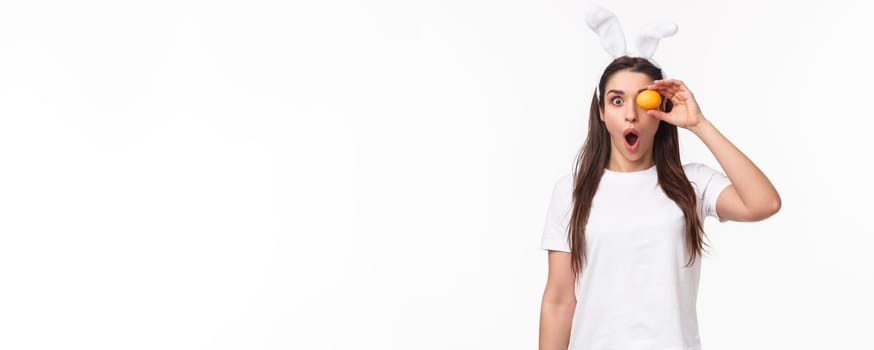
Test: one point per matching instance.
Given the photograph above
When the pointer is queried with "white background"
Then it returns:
(375, 174)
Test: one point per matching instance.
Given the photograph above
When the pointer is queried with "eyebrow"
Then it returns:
(620, 92)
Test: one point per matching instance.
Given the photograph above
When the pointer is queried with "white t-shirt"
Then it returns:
(634, 293)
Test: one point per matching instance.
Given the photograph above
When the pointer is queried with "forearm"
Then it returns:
(555, 325)
(752, 186)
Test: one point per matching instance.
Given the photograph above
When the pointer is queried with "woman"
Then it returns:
(624, 230)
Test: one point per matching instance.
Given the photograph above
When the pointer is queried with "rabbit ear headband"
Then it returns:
(605, 23)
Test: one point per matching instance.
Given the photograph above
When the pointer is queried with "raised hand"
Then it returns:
(685, 112)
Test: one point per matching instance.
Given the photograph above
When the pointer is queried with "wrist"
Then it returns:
(701, 126)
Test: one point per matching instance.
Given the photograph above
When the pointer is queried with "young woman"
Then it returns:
(624, 230)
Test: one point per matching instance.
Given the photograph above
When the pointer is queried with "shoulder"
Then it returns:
(699, 175)
(696, 170)
(563, 187)
(693, 167)
(565, 182)
(566, 178)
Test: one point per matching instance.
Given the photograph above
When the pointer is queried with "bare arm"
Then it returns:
(751, 196)
(559, 302)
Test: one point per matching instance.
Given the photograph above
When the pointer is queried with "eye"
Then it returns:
(614, 99)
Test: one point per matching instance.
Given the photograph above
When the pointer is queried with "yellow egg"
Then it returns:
(649, 99)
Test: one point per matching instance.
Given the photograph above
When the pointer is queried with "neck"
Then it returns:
(619, 163)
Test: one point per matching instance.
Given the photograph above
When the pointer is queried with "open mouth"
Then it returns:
(631, 137)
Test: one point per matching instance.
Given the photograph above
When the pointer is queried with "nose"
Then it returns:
(631, 113)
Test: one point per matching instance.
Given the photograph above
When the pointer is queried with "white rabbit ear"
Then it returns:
(605, 23)
(647, 39)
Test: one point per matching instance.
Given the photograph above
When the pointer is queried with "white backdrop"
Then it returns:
(375, 174)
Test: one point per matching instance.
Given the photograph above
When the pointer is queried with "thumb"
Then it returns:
(658, 114)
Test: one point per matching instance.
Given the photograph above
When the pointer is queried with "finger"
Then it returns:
(664, 87)
(658, 114)
(680, 86)
(667, 93)
(666, 82)
(656, 89)
(660, 88)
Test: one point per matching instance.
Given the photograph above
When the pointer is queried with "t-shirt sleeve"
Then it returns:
(558, 217)
(708, 184)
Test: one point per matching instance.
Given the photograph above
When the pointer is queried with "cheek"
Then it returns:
(618, 114)
(614, 121)
(609, 116)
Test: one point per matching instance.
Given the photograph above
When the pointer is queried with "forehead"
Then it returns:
(628, 81)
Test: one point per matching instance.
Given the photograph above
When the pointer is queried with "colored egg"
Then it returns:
(649, 99)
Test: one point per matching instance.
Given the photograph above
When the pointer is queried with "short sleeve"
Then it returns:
(558, 216)
(708, 184)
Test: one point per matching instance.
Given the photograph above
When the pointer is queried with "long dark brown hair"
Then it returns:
(595, 154)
